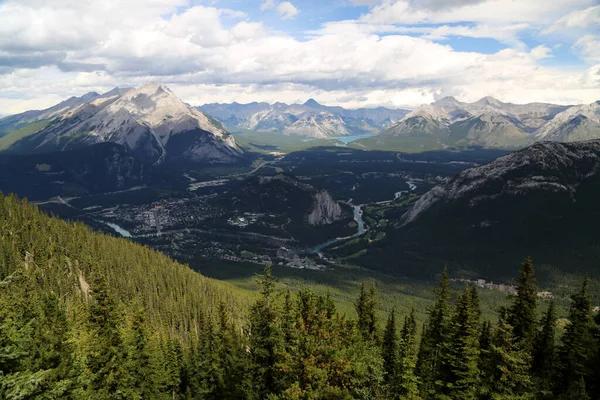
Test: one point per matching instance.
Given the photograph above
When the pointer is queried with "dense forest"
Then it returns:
(87, 316)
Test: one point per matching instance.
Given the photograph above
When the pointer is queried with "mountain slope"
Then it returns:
(310, 119)
(539, 201)
(101, 168)
(150, 121)
(14, 122)
(574, 124)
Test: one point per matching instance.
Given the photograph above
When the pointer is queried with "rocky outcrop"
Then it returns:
(325, 210)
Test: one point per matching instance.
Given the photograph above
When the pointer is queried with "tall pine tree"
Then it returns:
(265, 339)
(389, 348)
(522, 313)
(435, 336)
(544, 352)
(407, 382)
(459, 369)
(365, 308)
(508, 376)
(576, 352)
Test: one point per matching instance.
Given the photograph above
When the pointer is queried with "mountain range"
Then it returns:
(488, 123)
(151, 122)
(540, 201)
(310, 119)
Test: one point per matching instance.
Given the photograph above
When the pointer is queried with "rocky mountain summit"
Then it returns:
(488, 123)
(150, 121)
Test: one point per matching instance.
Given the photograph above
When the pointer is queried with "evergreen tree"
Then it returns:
(576, 351)
(407, 383)
(365, 308)
(434, 338)
(105, 366)
(522, 313)
(230, 367)
(172, 368)
(544, 352)
(389, 348)
(265, 339)
(486, 366)
(509, 375)
(459, 369)
(140, 373)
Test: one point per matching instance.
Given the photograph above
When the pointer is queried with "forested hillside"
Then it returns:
(87, 316)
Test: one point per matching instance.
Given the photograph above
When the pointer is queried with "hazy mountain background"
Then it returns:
(310, 119)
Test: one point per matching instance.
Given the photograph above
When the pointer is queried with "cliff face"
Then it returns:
(325, 210)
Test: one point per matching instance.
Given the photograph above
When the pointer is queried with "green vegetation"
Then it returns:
(277, 142)
(407, 144)
(12, 137)
(83, 315)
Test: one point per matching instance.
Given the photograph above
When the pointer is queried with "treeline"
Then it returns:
(87, 316)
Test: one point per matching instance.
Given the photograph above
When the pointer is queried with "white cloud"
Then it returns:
(287, 10)
(267, 5)
(589, 47)
(540, 52)
(486, 11)
(502, 33)
(354, 63)
(577, 19)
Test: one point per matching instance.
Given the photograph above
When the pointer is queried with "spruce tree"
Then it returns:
(509, 376)
(407, 383)
(365, 308)
(229, 368)
(265, 339)
(141, 378)
(544, 352)
(459, 370)
(522, 313)
(105, 367)
(434, 338)
(389, 348)
(576, 352)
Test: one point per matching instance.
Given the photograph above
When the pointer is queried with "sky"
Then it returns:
(353, 53)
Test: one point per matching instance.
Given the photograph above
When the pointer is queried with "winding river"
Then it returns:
(119, 230)
(358, 214)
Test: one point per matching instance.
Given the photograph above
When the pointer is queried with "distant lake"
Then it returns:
(350, 139)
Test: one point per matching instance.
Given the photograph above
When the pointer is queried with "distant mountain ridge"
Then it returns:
(540, 201)
(310, 119)
(150, 122)
(489, 123)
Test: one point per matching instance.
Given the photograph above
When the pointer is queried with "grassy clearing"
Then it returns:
(23, 132)
(343, 285)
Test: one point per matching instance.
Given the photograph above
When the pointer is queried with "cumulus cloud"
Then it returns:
(540, 52)
(267, 5)
(287, 10)
(487, 11)
(589, 47)
(577, 19)
(211, 54)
